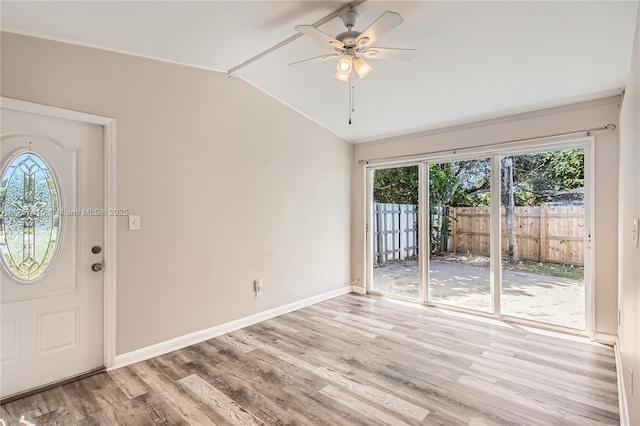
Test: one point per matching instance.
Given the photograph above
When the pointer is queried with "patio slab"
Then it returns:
(547, 299)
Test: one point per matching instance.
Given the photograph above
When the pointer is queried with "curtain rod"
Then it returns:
(324, 20)
(609, 127)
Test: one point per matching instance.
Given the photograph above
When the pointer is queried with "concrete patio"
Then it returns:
(548, 299)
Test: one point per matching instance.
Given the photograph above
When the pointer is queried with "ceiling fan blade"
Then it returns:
(385, 23)
(317, 58)
(319, 35)
(390, 53)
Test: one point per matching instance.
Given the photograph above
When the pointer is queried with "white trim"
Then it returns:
(424, 219)
(110, 244)
(604, 338)
(358, 289)
(109, 125)
(189, 339)
(368, 220)
(50, 111)
(495, 234)
(622, 394)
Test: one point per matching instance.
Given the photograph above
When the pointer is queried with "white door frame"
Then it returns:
(109, 136)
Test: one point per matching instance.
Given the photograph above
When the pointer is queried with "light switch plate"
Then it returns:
(134, 223)
(634, 233)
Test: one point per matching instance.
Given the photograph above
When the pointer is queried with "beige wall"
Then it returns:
(629, 255)
(231, 185)
(551, 121)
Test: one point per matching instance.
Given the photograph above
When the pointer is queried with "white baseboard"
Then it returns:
(189, 339)
(622, 394)
(358, 289)
(604, 338)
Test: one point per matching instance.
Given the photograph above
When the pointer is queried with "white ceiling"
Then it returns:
(475, 59)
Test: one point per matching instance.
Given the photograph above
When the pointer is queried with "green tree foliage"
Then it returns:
(542, 177)
(398, 185)
(537, 179)
(565, 169)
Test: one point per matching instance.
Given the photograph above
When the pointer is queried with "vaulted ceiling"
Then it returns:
(475, 59)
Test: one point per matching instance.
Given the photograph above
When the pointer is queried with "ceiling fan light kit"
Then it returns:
(348, 62)
(349, 44)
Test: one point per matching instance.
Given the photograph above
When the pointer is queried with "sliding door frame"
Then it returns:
(369, 177)
(586, 143)
(494, 153)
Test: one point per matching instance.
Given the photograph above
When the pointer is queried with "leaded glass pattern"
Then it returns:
(29, 217)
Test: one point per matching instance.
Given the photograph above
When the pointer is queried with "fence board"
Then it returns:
(395, 232)
(545, 233)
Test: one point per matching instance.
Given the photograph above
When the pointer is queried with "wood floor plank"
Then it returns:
(159, 384)
(218, 401)
(128, 382)
(149, 408)
(353, 360)
(375, 415)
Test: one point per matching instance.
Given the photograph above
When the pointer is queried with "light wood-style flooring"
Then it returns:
(353, 360)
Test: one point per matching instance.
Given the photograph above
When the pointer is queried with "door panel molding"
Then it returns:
(109, 138)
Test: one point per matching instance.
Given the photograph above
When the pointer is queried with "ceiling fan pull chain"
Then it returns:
(350, 98)
(353, 96)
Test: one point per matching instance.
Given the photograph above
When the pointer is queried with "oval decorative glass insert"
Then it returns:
(29, 217)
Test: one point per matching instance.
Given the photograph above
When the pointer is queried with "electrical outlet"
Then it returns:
(257, 286)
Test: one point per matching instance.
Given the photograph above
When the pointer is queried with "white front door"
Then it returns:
(51, 238)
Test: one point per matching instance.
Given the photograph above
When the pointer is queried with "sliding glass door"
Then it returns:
(460, 233)
(543, 237)
(395, 231)
(507, 233)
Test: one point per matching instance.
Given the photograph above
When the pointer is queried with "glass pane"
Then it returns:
(395, 231)
(29, 217)
(543, 237)
(459, 231)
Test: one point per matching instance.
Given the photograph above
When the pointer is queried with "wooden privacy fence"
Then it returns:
(395, 232)
(544, 233)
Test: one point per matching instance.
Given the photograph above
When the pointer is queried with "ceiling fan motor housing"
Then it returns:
(348, 38)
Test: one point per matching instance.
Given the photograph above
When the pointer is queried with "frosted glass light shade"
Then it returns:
(342, 76)
(345, 64)
(362, 67)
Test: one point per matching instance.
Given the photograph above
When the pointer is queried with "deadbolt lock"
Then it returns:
(96, 249)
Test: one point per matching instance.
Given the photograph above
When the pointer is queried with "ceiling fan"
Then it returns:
(353, 46)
